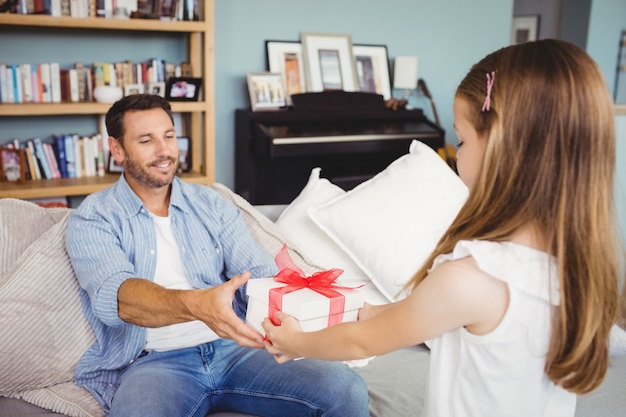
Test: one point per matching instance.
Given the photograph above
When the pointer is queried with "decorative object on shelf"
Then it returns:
(107, 93)
(183, 89)
(266, 91)
(133, 89)
(524, 29)
(184, 154)
(285, 57)
(329, 62)
(405, 74)
(12, 165)
(114, 167)
(372, 69)
(156, 88)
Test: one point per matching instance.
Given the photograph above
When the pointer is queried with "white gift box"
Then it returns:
(309, 307)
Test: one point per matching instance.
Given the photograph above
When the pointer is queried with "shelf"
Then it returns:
(52, 109)
(91, 23)
(620, 109)
(200, 128)
(72, 186)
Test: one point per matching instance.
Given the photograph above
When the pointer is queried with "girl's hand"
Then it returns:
(370, 310)
(280, 340)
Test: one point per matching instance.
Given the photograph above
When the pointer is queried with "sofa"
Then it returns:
(44, 332)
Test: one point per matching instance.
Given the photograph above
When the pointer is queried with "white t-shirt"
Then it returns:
(501, 373)
(170, 273)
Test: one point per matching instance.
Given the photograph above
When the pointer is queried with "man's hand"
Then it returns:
(214, 306)
(147, 304)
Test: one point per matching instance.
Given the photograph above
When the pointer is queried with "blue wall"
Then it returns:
(447, 36)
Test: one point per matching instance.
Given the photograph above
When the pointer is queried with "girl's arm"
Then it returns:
(455, 294)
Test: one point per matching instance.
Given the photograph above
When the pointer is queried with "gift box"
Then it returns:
(309, 307)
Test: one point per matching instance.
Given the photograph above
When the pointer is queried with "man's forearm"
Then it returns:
(147, 304)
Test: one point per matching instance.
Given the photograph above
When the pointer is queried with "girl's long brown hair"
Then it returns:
(550, 163)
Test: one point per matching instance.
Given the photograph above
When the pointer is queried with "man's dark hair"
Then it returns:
(115, 116)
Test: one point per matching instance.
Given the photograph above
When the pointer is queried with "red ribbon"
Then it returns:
(296, 279)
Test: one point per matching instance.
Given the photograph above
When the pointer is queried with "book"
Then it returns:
(99, 155)
(42, 159)
(17, 84)
(46, 92)
(73, 84)
(70, 160)
(55, 82)
(78, 156)
(3, 83)
(52, 160)
(80, 81)
(59, 147)
(31, 154)
(26, 83)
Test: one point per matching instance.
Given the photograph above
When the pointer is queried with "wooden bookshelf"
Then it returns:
(200, 41)
(620, 109)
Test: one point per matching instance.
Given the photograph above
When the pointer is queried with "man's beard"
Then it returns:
(141, 175)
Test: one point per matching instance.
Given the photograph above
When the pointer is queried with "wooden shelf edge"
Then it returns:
(83, 108)
(620, 109)
(74, 186)
(30, 20)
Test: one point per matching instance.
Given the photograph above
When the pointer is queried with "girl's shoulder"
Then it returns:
(525, 268)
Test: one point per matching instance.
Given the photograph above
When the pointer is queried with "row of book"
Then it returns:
(49, 83)
(146, 9)
(67, 156)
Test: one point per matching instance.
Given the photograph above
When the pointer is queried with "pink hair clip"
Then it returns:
(490, 78)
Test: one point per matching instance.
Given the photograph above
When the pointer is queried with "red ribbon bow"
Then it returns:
(296, 279)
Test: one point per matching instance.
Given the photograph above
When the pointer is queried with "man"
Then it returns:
(163, 265)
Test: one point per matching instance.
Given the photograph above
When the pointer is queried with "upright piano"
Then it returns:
(349, 136)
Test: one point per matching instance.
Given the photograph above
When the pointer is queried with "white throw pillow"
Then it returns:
(390, 223)
(301, 232)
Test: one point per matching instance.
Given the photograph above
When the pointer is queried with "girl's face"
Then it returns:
(471, 147)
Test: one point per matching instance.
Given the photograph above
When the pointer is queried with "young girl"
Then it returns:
(519, 296)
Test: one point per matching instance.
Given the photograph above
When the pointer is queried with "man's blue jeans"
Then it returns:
(223, 376)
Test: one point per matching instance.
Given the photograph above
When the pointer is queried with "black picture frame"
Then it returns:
(183, 89)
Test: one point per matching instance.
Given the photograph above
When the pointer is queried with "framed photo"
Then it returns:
(12, 165)
(372, 69)
(133, 89)
(156, 89)
(328, 62)
(266, 91)
(114, 166)
(184, 150)
(285, 57)
(524, 29)
(183, 89)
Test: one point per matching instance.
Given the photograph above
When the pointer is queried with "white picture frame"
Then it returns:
(372, 69)
(328, 62)
(285, 57)
(266, 91)
(524, 29)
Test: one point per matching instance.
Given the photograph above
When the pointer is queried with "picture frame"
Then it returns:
(524, 29)
(12, 165)
(266, 90)
(156, 88)
(285, 57)
(328, 62)
(372, 69)
(184, 153)
(130, 89)
(183, 88)
(114, 167)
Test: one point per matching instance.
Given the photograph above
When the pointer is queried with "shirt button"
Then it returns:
(217, 250)
(152, 251)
